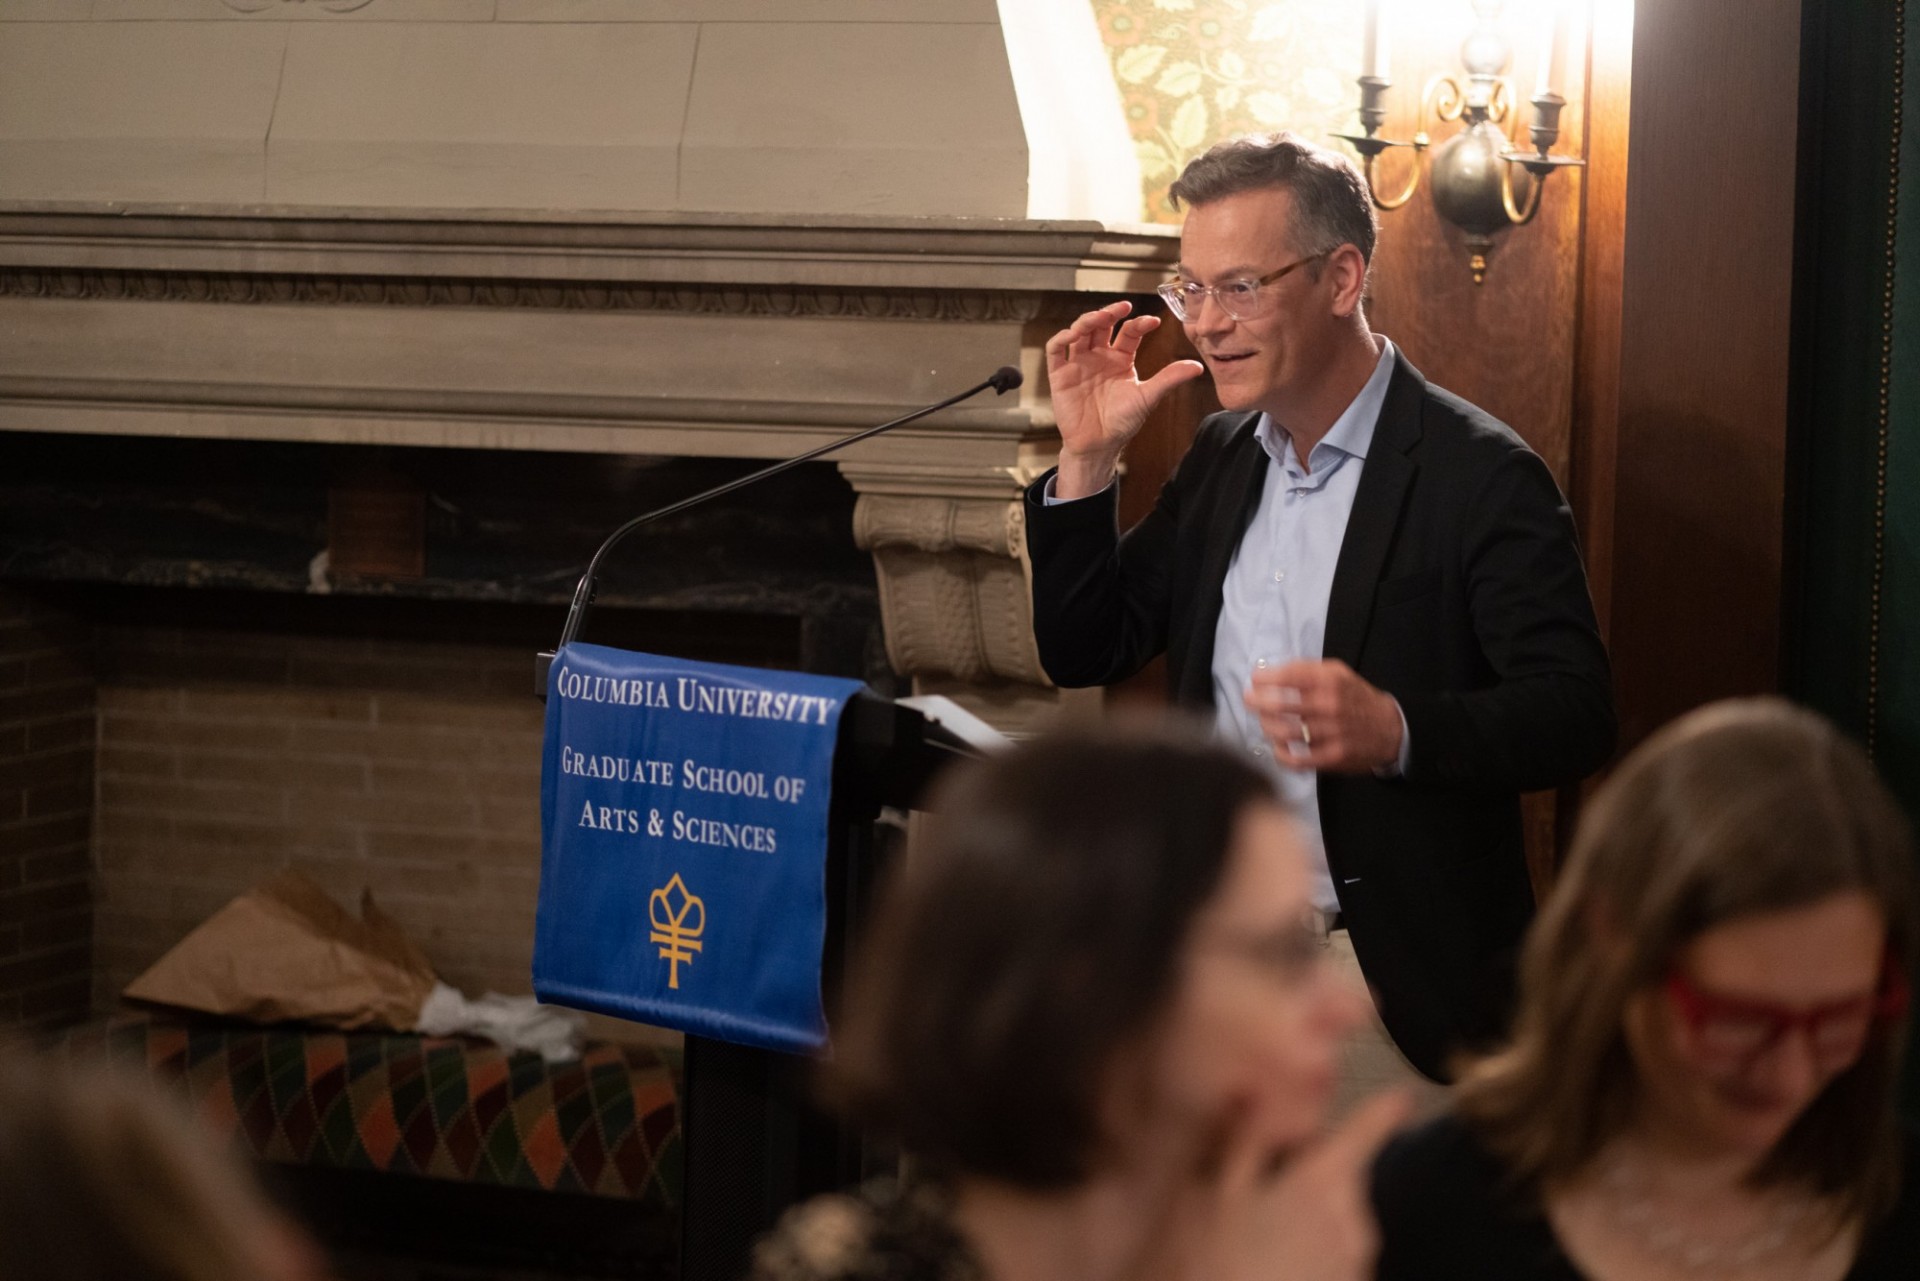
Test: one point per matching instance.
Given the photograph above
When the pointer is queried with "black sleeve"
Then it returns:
(1101, 603)
(1547, 719)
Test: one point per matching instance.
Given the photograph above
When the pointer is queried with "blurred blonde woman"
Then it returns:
(1702, 1078)
(102, 1180)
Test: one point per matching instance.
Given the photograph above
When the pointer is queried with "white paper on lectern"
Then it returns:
(967, 727)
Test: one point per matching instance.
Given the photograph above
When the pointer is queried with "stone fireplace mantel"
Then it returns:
(746, 336)
(239, 239)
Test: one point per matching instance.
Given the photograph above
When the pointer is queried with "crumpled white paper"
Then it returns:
(512, 1022)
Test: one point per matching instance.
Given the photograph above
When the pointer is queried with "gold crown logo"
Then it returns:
(676, 929)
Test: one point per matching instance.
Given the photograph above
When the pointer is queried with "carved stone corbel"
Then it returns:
(955, 600)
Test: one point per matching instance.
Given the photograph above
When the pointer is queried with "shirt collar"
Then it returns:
(1352, 431)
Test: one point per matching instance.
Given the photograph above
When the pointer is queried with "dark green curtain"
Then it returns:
(1852, 625)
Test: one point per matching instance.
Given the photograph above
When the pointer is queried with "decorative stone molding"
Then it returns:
(711, 336)
(977, 306)
(261, 6)
(995, 254)
(935, 525)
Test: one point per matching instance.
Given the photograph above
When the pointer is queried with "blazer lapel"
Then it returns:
(1376, 514)
(1241, 479)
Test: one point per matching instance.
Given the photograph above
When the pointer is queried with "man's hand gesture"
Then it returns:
(1098, 398)
(1320, 714)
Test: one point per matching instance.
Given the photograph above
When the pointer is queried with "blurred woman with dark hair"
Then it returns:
(1701, 1079)
(1093, 1011)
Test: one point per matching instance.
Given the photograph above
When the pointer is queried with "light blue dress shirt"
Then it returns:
(1274, 601)
(1273, 606)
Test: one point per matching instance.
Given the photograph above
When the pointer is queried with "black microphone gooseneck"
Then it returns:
(1003, 380)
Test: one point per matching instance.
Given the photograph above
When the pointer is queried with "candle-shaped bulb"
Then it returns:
(1552, 73)
(1373, 43)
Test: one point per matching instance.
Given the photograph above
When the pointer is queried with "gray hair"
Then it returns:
(1332, 205)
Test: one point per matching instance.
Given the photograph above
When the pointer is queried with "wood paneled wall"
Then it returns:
(1642, 343)
(1505, 344)
(1698, 504)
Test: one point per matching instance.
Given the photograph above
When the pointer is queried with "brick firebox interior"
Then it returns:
(151, 771)
(411, 769)
(46, 800)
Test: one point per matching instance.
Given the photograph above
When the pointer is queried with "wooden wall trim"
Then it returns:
(1597, 332)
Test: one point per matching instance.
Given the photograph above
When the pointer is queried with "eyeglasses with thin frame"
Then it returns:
(1292, 953)
(1733, 1032)
(1245, 298)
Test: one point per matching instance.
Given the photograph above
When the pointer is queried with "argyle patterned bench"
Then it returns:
(606, 1124)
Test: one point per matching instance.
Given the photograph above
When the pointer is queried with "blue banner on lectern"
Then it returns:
(683, 811)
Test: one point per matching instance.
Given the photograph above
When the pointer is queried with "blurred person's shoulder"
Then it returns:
(1448, 1208)
(887, 1230)
(1440, 1160)
(1891, 1250)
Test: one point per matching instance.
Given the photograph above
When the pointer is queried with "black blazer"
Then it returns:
(1458, 590)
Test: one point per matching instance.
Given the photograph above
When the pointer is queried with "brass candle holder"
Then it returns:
(1483, 181)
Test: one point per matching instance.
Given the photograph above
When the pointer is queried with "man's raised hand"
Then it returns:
(1099, 401)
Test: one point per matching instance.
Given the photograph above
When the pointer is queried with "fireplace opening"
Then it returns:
(194, 696)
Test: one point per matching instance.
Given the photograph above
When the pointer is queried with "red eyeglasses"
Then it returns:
(1734, 1031)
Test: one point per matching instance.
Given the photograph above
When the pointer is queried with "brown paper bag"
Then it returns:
(284, 951)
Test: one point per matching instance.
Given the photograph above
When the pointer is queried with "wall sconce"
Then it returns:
(1483, 181)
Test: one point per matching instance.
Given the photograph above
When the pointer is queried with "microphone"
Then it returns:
(1002, 380)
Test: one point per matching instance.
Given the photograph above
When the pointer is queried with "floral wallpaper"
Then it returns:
(1192, 72)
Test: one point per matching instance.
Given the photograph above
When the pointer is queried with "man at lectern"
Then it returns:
(1374, 585)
